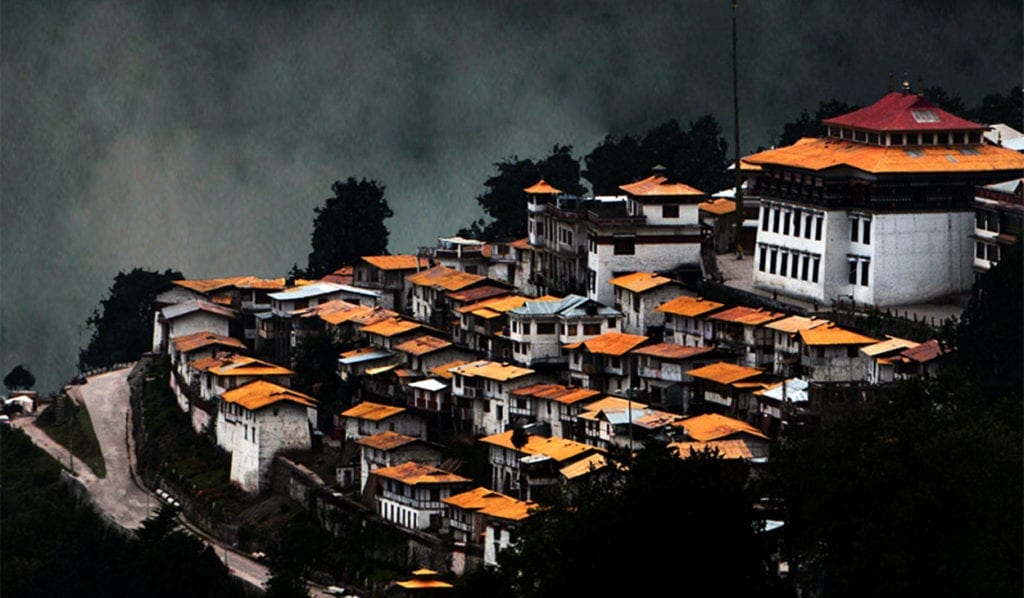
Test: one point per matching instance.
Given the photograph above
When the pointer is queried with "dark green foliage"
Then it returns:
(805, 126)
(72, 428)
(691, 519)
(504, 200)
(951, 103)
(19, 378)
(997, 108)
(696, 156)
(123, 324)
(316, 363)
(348, 226)
(54, 544)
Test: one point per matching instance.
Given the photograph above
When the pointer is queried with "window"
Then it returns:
(854, 232)
(818, 223)
(980, 254)
(611, 323)
(591, 329)
(807, 226)
(928, 138)
(500, 412)
(866, 226)
(897, 139)
(636, 302)
(764, 218)
(815, 262)
(771, 262)
(764, 258)
(570, 329)
(540, 229)
(796, 223)
(670, 211)
(782, 265)
(993, 253)
(803, 274)
(785, 222)
(851, 351)
(624, 245)
(545, 327)
(591, 281)
(864, 267)
(775, 220)
(796, 266)
(853, 270)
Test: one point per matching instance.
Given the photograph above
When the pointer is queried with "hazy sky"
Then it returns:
(200, 136)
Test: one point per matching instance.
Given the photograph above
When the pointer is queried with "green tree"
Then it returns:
(122, 325)
(654, 512)
(316, 363)
(504, 201)
(19, 378)
(805, 126)
(348, 226)
(950, 102)
(998, 108)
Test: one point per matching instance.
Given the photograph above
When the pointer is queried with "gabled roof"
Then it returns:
(542, 186)
(725, 373)
(891, 344)
(414, 474)
(199, 340)
(728, 449)
(444, 370)
(793, 324)
(478, 293)
(396, 262)
(448, 279)
(718, 206)
(544, 306)
(488, 502)
(831, 334)
(523, 243)
(610, 404)
(363, 354)
(566, 395)
(639, 282)
(495, 305)
(685, 305)
(559, 449)
(318, 289)
(208, 285)
(339, 311)
(372, 411)
(422, 345)
(243, 365)
(429, 385)
(610, 343)
(712, 426)
(584, 466)
(793, 390)
(751, 316)
(492, 370)
(672, 351)
(343, 275)
(925, 352)
(260, 393)
(178, 310)
(656, 185)
(392, 327)
(902, 111)
(386, 441)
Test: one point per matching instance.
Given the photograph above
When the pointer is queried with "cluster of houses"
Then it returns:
(588, 335)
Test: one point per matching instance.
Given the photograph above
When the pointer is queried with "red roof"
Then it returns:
(898, 111)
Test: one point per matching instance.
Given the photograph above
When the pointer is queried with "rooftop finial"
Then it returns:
(906, 84)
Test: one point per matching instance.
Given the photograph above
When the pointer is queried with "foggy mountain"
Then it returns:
(200, 136)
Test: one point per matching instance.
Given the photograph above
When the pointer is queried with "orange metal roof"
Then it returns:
(422, 345)
(523, 243)
(494, 504)
(385, 441)
(611, 343)
(243, 365)
(396, 262)
(424, 584)
(198, 340)
(260, 393)
(611, 404)
(557, 392)
(795, 323)
(584, 466)
(729, 449)
(712, 426)
(443, 370)
(559, 449)
(372, 411)
(207, 285)
(924, 352)
(831, 334)
(889, 345)
(492, 370)
(718, 206)
(724, 372)
(741, 314)
(639, 282)
(444, 277)
(658, 185)
(672, 351)
(392, 326)
(822, 153)
(495, 304)
(685, 305)
(542, 186)
(413, 473)
(205, 363)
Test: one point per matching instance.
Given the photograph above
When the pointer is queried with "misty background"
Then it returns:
(200, 136)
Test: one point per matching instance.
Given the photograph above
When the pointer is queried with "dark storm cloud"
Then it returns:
(200, 136)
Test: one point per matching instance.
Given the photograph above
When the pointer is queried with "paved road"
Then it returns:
(106, 396)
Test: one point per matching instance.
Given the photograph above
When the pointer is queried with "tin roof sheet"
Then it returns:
(639, 282)
(260, 393)
(889, 345)
(611, 343)
(672, 351)
(178, 310)
(396, 262)
(559, 449)
(386, 441)
(492, 370)
(414, 474)
(752, 316)
(657, 185)
(793, 324)
(831, 334)
(422, 345)
(728, 449)
(685, 305)
(491, 503)
(244, 365)
(540, 187)
(925, 351)
(392, 326)
(372, 411)
(724, 372)
(718, 206)
(713, 426)
(429, 385)
(444, 370)
(198, 340)
(444, 277)
(566, 395)
(581, 467)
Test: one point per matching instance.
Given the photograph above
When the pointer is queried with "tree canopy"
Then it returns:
(19, 378)
(696, 156)
(504, 200)
(805, 126)
(122, 325)
(348, 226)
